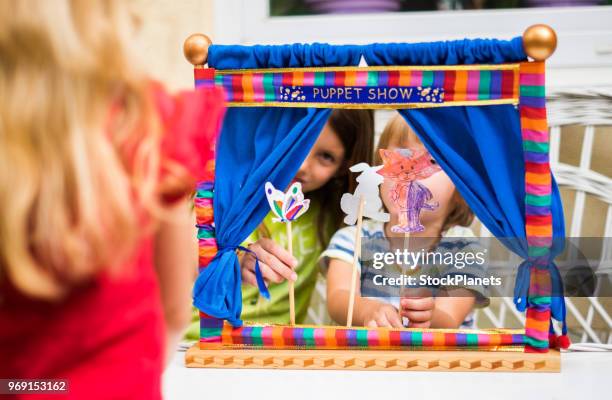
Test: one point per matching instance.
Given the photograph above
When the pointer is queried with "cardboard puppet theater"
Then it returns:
(479, 108)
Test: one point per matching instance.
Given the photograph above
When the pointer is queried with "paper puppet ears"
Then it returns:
(398, 154)
(408, 164)
(288, 206)
(364, 167)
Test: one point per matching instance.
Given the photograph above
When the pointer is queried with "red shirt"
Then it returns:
(107, 337)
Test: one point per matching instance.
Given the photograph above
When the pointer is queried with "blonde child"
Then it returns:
(97, 249)
(451, 306)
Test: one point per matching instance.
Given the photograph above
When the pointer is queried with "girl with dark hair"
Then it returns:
(346, 139)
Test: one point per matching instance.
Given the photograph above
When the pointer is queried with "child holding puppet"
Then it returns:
(424, 207)
(346, 139)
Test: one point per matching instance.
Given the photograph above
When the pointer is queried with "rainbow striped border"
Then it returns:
(538, 201)
(207, 244)
(336, 337)
(203, 202)
(461, 85)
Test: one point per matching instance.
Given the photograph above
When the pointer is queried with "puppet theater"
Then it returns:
(479, 108)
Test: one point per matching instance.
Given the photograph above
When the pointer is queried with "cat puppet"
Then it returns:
(405, 167)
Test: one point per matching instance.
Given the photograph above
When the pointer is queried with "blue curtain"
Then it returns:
(481, 149)
(456, 52)
(256, 145)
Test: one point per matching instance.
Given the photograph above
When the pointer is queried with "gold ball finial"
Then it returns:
(195, 48)
(539, 41)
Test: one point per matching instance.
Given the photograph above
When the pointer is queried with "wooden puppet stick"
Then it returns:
(291, 283)
(356, 255)
(406, 246)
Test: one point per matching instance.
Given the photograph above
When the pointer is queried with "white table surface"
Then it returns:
(583, 376)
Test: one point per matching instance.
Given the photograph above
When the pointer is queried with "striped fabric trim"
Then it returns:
(538, 197)
(334, 337)
(210, 327)
(369, 87)
(204, 77)
(204, 221)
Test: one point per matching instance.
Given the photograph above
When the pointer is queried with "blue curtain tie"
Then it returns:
(521, 287)
(261, 284)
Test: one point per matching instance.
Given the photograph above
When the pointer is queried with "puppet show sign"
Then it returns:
(366, 87)
(361, 95)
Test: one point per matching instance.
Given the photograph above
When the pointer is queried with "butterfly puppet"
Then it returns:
(287, 206)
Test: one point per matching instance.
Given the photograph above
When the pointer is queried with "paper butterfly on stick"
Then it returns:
(406, 167)
(287, 206)
(367, 187)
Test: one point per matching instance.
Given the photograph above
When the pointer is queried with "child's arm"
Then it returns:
(366, 312)
(176, 260)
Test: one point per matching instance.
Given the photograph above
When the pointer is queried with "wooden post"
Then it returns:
(291, 283)
(402, 289)
(356, 255)
(195, 49)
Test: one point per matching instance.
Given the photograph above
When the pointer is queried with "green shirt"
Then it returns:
(306, 249)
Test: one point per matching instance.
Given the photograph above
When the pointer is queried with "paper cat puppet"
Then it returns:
(286, 206)
(367, 187)
(405, 167)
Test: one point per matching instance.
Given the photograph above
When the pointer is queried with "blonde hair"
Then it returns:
(79, 143)
(397, 130)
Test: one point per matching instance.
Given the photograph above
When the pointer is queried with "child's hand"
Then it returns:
(275, 262)
(384, 316)
(418, 310)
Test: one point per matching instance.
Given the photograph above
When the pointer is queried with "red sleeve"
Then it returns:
(191, 122)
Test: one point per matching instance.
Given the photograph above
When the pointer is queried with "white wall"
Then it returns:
(165, 25)
(583, 57)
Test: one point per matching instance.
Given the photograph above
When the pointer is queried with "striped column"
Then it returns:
(538, 214)
(210, 327)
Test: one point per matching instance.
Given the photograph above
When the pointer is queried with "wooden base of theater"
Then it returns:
(377, 360)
